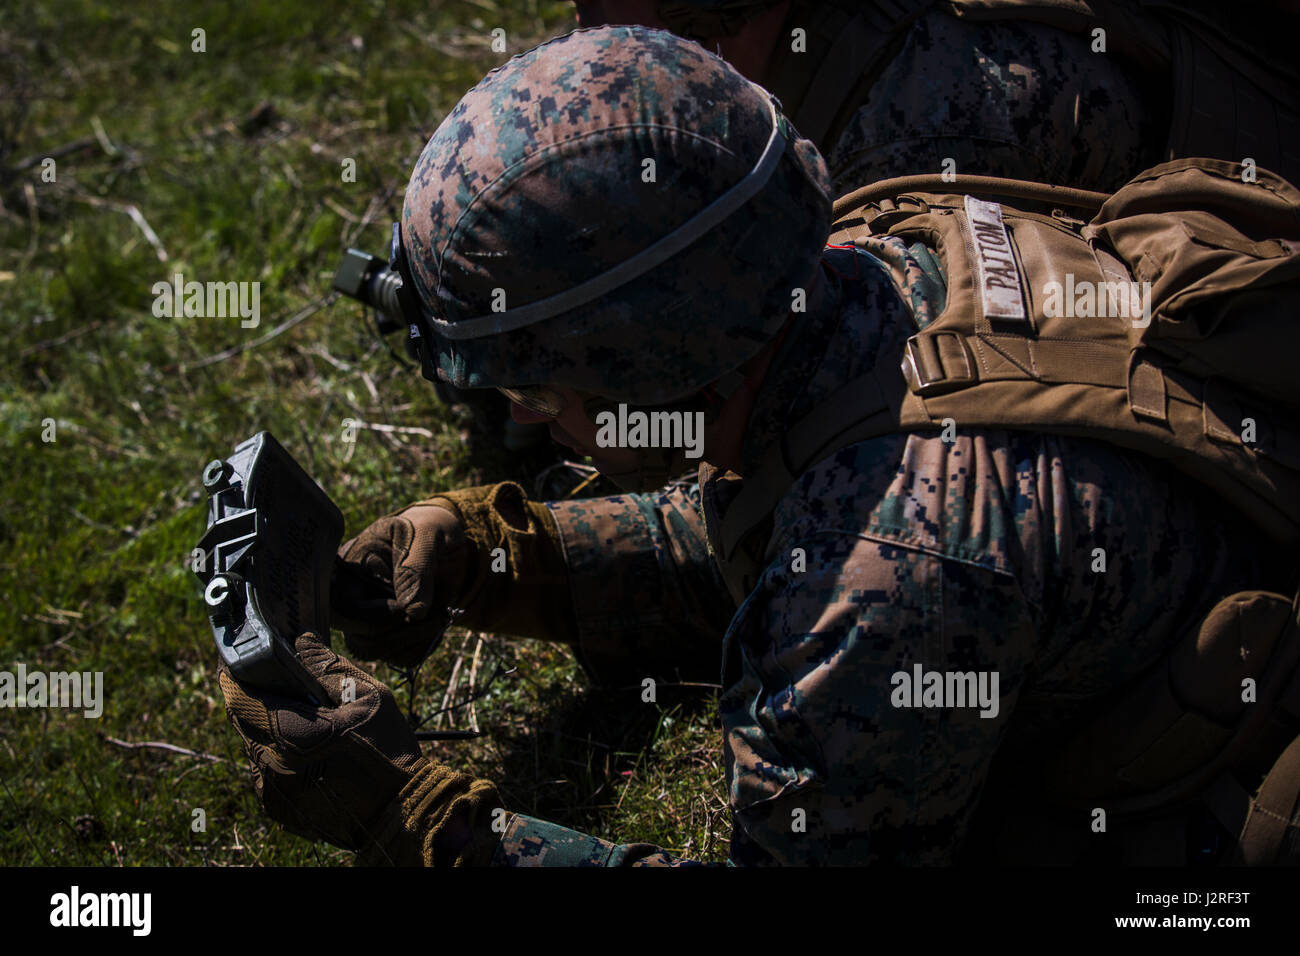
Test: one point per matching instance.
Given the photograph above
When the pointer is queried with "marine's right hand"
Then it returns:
(394, 581)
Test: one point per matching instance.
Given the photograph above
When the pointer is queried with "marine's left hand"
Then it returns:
(350, 771)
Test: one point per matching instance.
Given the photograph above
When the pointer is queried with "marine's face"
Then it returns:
(574, 429)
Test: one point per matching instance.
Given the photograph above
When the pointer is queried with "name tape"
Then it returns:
(999, 276)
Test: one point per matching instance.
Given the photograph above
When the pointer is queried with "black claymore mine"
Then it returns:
(268, 551)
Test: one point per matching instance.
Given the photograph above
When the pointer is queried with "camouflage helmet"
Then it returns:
(617, 211)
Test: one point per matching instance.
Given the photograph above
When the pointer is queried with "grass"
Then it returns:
(232, 158)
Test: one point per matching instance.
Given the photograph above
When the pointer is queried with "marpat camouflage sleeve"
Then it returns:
(648, 599)
(649, 603)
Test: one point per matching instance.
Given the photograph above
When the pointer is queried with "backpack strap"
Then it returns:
(900, 186)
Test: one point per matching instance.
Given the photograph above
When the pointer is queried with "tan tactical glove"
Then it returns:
(394, 582)
(351, 773)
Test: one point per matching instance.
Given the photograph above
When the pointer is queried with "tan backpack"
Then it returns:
(1168, 324)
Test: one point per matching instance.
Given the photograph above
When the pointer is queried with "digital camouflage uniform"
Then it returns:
(1020, 100)
(974, 555)
(998, 96)
(1074, 92)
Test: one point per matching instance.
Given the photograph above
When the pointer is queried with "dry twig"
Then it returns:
(136, 216)
(163, 746)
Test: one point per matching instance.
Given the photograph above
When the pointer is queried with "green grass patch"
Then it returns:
(226, 165)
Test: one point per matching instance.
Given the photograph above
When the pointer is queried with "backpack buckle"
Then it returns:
(936, 363)
(883, 215)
